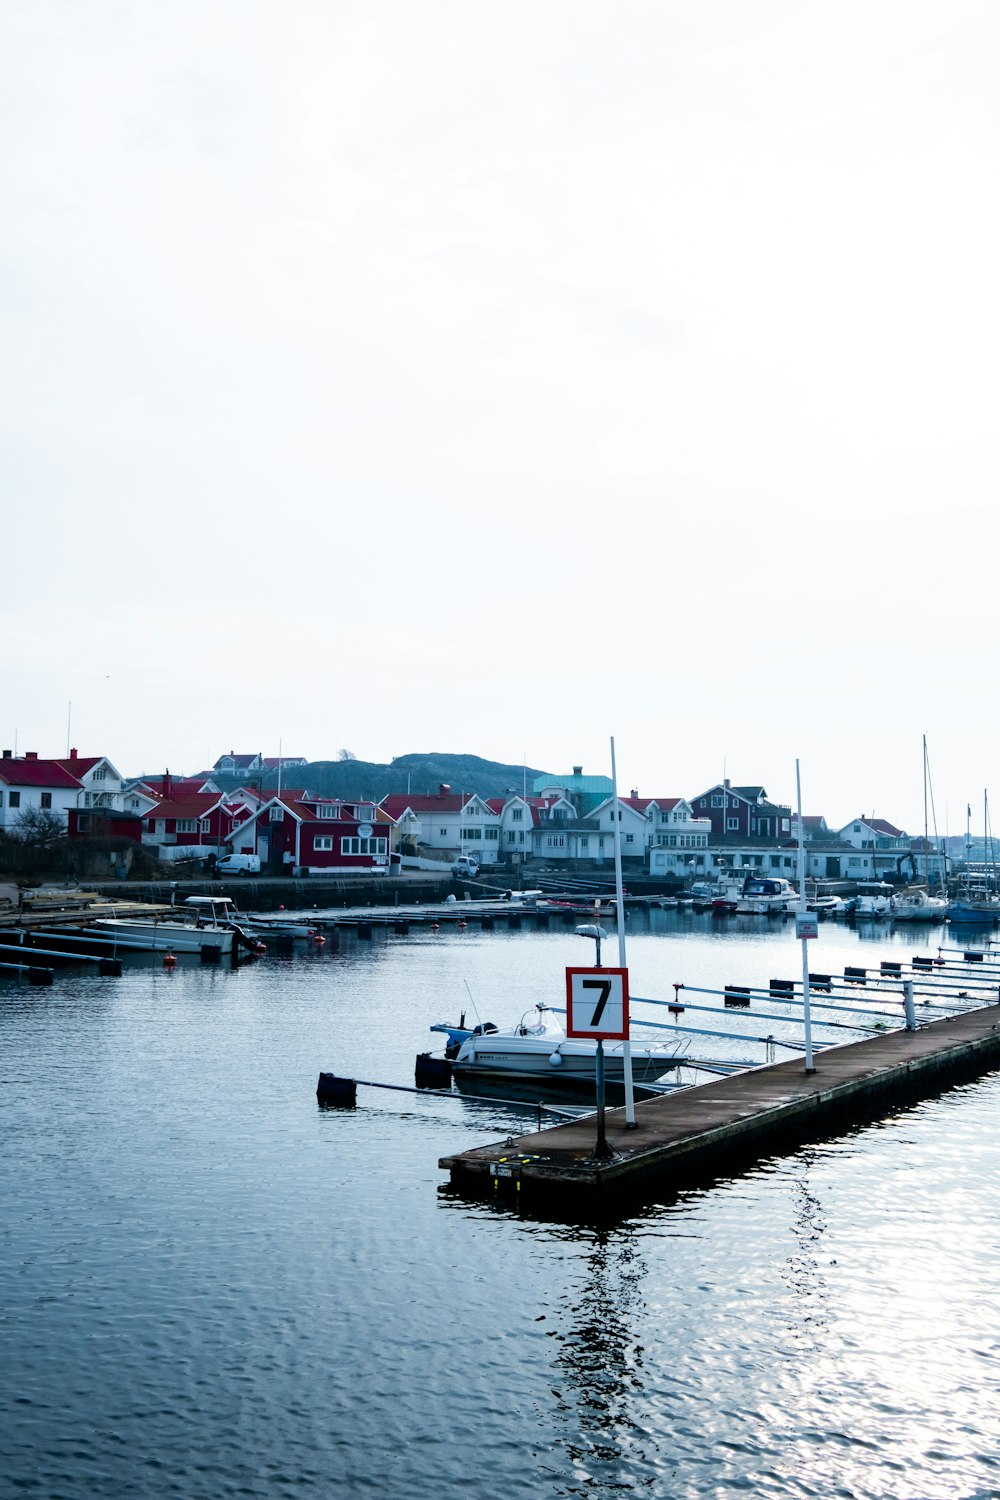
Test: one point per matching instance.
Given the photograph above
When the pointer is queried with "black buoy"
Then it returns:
(111, 967)
(333, 1090)
(39, 976)
(431, 1072)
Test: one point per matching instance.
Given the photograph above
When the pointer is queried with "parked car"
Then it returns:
(238, 864)
(466, 864)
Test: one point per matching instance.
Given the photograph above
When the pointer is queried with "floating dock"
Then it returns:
(718, 1126)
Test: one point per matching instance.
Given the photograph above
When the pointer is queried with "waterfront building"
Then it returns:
(30, 787)
(444, 824)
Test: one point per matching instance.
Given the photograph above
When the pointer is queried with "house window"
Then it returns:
(186, 825)
(327, 811)
(325, 841)
(362, 846)
(732, 825)
(206, 825)
(517, 814)
(600, 842)
(1, 799)
(442, 833)
(46, 800)
(472, 835)
(716, 800)
(630, 838)
(100, 775)
(520, 838)
(703, 802)
(492, 833)
(277, 814)
(15, 799)
(585, 842)
(82, 823)
(512, 838)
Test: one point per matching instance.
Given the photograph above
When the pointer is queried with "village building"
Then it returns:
(742, 811)
(30, 787)
(444, 824)
(300, 834)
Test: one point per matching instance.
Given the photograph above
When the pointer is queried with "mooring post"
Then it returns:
(601, 1147)
(911, 1015)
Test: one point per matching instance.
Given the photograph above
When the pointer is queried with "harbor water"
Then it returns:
(211, 1287)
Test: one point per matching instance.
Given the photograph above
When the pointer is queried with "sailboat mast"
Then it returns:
(927, 847)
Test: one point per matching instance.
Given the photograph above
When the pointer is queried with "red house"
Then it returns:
(204, 822)
(303, 834)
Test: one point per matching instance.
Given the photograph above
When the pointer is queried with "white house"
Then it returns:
(446, 823)
(32, 786)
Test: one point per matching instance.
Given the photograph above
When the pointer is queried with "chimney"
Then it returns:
(727, 783)
(166, 786)
(31, 754)
(73, 753)
(635, 793)
(8, 755)
(577, 770)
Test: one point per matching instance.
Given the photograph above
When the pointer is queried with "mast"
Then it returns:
(927, 847)
(630, 1123)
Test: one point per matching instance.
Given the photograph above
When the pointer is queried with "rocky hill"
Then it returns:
(418, 773)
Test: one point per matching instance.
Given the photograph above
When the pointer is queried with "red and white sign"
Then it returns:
(597, 1004)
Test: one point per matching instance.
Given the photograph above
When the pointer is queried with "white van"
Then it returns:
(238, 864)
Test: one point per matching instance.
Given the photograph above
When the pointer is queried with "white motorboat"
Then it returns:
(919, 906)
(203, 922)
(826, 906)
(875, 898)
(538, 1046)
(766, 896)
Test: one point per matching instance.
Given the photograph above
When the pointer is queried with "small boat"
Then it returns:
(766, 896)
(875, 898)
(203, 922)
(918, 906)
(826, 906)
(539, 1047)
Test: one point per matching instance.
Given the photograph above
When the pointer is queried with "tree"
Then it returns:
(346, 755)
(38, 826)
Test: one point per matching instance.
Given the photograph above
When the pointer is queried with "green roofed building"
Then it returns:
(586, 792)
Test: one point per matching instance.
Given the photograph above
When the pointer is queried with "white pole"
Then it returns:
(627, 1045)
(805, 941)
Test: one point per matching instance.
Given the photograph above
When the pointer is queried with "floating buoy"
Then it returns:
(281, 906)
(260, 949)
(169, 961)
(435, 927)
(555, 1058)
(462, 925)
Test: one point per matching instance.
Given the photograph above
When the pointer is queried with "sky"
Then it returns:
(501, 379)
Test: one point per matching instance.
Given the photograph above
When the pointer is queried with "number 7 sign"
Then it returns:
(597, 1004)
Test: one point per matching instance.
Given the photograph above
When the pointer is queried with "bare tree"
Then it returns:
(346, 755)
(38, 826)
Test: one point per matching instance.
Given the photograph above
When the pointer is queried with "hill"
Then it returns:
(419, 774)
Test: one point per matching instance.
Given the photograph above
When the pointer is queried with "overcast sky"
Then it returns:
(495, 379)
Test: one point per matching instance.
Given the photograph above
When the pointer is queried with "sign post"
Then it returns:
(597, 1010)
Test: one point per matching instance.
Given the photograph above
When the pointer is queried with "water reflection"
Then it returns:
(600, 1365)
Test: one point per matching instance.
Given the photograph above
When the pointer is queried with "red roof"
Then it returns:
(79, 765)
(48, 773)
(397, 803)
(198, 806)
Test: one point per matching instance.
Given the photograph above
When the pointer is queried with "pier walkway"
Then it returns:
(720, 1125)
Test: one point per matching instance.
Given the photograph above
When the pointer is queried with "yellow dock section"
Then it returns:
(720, 1125)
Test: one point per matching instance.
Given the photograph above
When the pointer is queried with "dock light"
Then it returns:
(592, 930)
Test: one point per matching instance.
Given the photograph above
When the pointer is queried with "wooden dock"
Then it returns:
(720, 1126)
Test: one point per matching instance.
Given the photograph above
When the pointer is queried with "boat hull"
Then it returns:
(503, 1058)
(161, 937)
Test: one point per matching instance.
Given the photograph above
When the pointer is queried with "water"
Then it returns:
(211, 1288)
